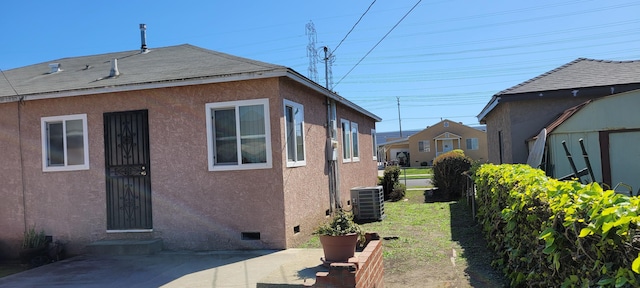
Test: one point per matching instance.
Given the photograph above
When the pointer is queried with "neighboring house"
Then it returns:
(395, 151)
(515, 114)
(422, 147)
(610, 129)
(202, 149)
(445, 136)
(386, 140)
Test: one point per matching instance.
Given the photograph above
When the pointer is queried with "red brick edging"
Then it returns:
(364, 271)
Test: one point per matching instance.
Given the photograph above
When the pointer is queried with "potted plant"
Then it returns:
(33, 244)
(339, 237)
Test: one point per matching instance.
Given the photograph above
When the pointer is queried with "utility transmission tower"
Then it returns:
(312, 53)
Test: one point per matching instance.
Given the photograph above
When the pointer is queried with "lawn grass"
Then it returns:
(415, 171)
(433, 242)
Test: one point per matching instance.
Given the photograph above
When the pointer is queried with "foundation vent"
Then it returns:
(250, 235)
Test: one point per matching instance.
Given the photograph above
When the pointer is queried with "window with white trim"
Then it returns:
(346, 140)
(374, 141)
(355, 149)
(472, 143)
(424, 146)
(294, 133)
(65, 143)
(238, 135)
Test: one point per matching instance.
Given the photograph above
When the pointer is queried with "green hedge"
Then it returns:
(551, 233)
(447, 173)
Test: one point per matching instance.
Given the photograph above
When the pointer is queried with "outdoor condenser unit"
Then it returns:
(368, 203)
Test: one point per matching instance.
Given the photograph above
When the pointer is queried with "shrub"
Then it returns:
(398, 192)
(447, 173)
(33, 238)
(551, 233)
(389, 180)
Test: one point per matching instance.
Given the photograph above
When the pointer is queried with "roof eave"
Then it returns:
(315, 86)
(495, 100)
(279, 72)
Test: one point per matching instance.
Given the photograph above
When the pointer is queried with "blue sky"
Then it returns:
(445, 59)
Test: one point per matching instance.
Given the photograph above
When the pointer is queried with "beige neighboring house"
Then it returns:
(443, 137)
(201, 149)
(423, 147)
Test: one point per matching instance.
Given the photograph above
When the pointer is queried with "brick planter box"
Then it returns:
(364, 271)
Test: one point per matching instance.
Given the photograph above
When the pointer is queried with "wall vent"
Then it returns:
(250, 235)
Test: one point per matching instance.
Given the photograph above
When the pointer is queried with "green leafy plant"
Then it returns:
(398, 192)
(33, 238)
(341, 224)
(389, 180)
(447, 173)
(551, 233)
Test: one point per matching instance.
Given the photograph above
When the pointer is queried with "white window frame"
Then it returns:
(374, 141)
(355, 143)
(209, 107)
(426, 146)
(44, 121)
(473, 141)
(296, 162)
(345, 127)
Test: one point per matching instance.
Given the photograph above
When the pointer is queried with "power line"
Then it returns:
(383, 37)
(354, 26)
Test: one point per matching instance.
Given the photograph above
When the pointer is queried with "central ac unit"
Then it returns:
(368, 203)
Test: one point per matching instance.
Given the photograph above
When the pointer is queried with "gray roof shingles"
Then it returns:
(580, 73)
(171, 63)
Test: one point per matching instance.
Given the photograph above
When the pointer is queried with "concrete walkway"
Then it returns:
(176, 269)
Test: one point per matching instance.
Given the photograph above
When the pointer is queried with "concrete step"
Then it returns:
(126, 247)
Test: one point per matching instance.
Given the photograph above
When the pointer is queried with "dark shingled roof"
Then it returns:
(579, 73)
(158, 65)
(582, 73)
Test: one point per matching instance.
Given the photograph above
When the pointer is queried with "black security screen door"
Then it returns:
(127, 172)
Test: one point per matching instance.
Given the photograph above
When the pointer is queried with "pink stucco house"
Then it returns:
(201, 149)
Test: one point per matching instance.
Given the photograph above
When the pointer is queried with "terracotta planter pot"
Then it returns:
(338, 248)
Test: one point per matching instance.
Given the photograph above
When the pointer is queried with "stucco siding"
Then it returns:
(306, 188)
(498, 131)
(363, 172)
(193, 208)
(11, 211)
